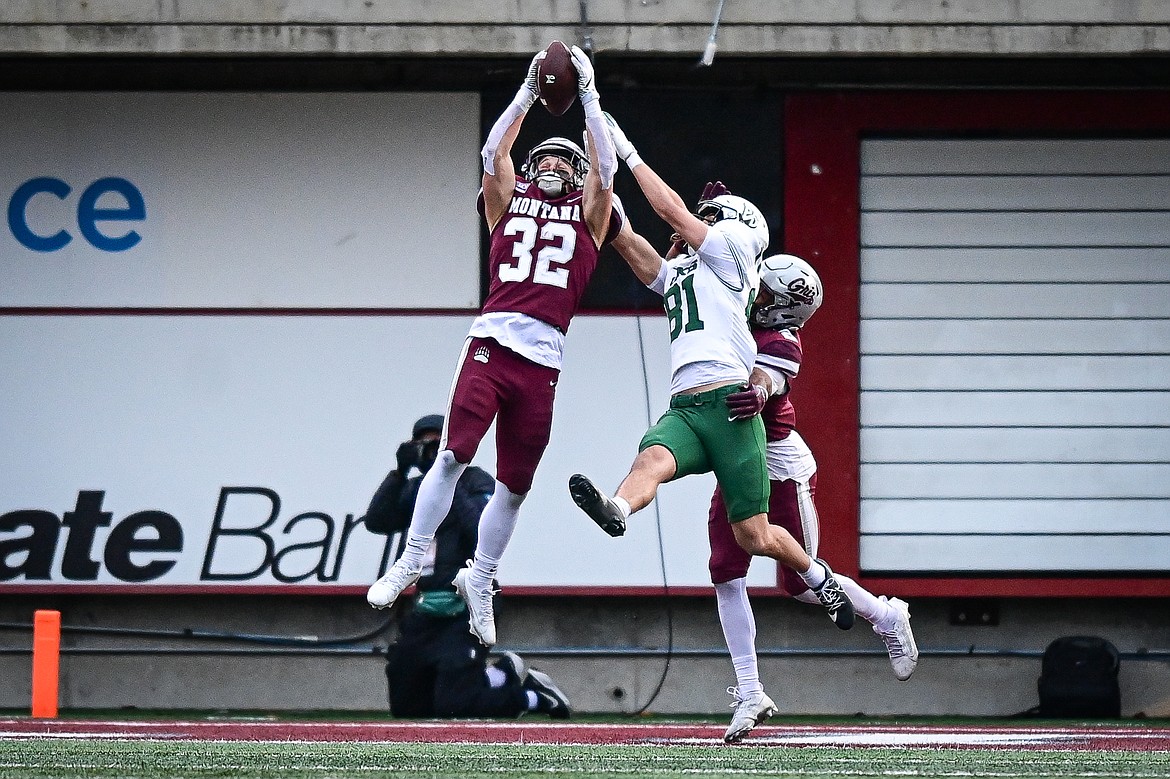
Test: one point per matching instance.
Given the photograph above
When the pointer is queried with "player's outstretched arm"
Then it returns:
(598, 197)
(711, 189)
(668, 205)
(643, 260)
(662, 198)
(597, 201)
(499, 173)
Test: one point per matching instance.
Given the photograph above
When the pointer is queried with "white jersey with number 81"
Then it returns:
(707, 295)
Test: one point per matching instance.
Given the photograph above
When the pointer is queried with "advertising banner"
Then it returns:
(240, 200)
(240, 451)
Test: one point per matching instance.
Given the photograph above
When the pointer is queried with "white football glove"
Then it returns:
(530, 81)
(586, 88)
(621, 144)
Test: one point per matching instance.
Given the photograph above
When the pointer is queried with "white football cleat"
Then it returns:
(899, 640)
(749, 711)
(481, 617)
(386, 590)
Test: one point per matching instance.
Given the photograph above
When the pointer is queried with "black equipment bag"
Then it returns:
(1078, 679)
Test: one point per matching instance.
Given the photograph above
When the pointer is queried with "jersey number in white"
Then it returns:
(562, 240)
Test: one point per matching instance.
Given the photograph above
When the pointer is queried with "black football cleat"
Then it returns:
(513, 666)
(550, 699)
(834, 599)
(593, 502)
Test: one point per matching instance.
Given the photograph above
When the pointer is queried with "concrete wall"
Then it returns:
(642, 27)
(857, 680)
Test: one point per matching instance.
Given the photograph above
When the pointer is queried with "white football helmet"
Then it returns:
(795, 289)
(736, 207)
(555, 183)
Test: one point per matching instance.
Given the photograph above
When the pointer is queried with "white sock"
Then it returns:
(495, 677)
(414, 549)
(496, 525)
(624, 505)
(739, 631)
(867, 605)
(435, 494)
(815, 575)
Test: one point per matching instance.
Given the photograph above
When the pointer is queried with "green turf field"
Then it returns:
(138, 759)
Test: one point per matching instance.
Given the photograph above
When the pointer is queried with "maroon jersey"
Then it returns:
(780, 351)
(542, 255)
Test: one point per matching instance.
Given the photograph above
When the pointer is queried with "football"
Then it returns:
(556, 79)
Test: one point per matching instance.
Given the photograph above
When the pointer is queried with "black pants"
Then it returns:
(437, 670)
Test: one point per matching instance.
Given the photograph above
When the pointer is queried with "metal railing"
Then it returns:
(357, 646)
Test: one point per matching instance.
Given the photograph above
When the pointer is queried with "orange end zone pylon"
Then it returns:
(46, 662)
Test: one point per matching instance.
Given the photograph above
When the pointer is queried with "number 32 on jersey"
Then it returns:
(560, 240)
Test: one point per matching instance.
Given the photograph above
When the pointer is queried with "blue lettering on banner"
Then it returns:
(88, 214)
(18, 223)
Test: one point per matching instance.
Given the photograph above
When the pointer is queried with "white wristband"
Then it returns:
(524, 98)
(634, 160)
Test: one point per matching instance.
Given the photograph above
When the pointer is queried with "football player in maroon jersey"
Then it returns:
(547, 227)
(790, 292)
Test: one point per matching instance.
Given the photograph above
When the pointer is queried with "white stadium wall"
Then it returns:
(209, 395)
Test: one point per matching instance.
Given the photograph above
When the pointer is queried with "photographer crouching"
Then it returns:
(438, 668)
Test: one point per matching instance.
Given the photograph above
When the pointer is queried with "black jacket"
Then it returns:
(391, 508)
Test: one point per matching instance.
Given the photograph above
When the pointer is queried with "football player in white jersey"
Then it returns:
(707, 293)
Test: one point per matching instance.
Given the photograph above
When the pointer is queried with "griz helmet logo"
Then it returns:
(801, 292)
(792, 292)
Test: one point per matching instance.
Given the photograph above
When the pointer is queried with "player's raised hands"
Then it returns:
(586, 87)
(621, 144)
(531, 80)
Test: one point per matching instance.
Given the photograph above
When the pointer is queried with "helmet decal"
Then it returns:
(739, 209)
(794, 290)
(801, 292)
